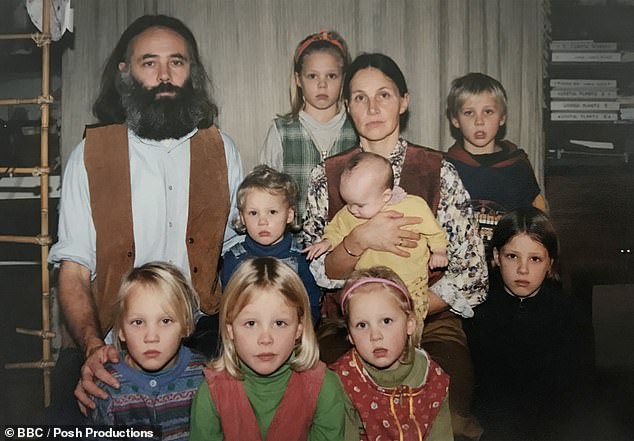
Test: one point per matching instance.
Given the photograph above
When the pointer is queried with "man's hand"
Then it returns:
(93, 368)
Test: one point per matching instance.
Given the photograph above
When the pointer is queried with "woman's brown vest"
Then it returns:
(108, 167)
(420, 175)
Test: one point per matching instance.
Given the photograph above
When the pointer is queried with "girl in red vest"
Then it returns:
(268, 382)
(399, 392)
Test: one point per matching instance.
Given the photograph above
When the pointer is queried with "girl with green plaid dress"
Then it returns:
(317, 125)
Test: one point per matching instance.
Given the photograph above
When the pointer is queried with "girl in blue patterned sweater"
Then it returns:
(158, 376)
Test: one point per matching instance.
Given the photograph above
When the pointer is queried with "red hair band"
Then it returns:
(323, 36)
(366, 280)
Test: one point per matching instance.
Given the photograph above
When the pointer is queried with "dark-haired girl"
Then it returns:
(522, 338)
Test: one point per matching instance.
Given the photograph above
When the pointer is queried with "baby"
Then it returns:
(367, 186)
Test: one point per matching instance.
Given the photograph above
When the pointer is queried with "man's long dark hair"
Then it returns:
(108, 107)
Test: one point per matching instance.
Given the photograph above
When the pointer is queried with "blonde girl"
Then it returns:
(398, 391)
(268, 382)
(317, 125)
(267, 200)
(158, 376)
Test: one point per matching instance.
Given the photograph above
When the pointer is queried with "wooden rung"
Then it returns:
(18, 36)
(33, 171)
(14, 101)
(20, 239)
(37, 240)
(41, 364)
(37, 100)
(36, 332)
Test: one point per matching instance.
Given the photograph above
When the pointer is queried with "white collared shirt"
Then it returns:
(159, 175)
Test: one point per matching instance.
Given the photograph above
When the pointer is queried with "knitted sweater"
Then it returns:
(161, 398)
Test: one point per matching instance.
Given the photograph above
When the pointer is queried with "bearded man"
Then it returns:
(155, 180)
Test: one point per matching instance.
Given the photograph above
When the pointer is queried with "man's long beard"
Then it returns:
(161, 117)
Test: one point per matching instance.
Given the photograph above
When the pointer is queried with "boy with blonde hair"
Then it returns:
(497, 174)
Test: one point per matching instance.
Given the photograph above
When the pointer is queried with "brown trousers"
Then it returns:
(446, 343)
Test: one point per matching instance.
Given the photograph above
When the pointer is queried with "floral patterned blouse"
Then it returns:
(465, 283)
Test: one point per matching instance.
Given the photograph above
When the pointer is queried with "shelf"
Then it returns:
(620, 125)
(599, 171)
(623, 73)
(589, 191)
(574, 20)
(593, 64)
(621, 134)
(560, 153)
(619, 122)
(610, 22)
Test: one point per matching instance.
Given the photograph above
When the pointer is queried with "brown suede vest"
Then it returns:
(107, 165)
(293, 417)
(420, 176)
